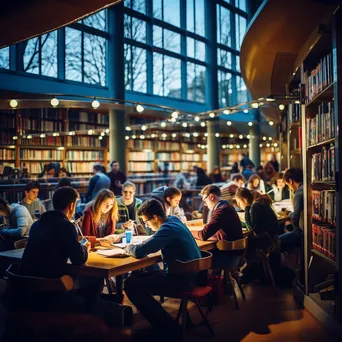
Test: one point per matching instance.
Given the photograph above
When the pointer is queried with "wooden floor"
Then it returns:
(263, 317)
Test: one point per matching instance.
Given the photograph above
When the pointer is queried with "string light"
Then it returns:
(54, 102)
(29, 137)
(229, 123)
(107, 130)
(212, 115)
(134, 136)
(237, 146)
(95, 104)
(55, 134)
(143, 127)
(270, 99)
(195, 134)
(153, 135)
(231, 146)
(175, 114)
(226, 111)
(264, 138)
(275, 145)
(90, 132)
(281, 106)
(13, 103)
(245, 146)
(164, 135)
(203, 124)
(268, 145)
(174, 135)
(248, 136)
(71, 133)
(128, 128)
(142, 137)
(250, 124)
(187, 135)
(260, 145)
(184, 124)
(255, 105)
(240, 136)
(127, 137)
(102, 134)
(139, 108)
(245, 111)
(224, 146)
(15, 138)
(231, 136)
(100, 137)
(217, 135)
(271, 123)
(197, 118)
(269, 138)
(163, 124)
(42, 135)
(173, 120)
(205, 134)
(297, 102)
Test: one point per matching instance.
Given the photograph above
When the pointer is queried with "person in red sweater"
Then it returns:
(223, 225)
(100, 217)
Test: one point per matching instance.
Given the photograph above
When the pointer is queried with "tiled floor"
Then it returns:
(263, 317)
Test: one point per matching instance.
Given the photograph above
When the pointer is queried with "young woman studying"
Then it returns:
(100, 217)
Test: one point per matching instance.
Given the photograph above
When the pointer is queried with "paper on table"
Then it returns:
(111, 252)
(135, 241)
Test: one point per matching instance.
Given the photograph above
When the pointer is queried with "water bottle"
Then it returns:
(128, 235)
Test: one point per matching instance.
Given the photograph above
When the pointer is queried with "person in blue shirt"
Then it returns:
(175, 242)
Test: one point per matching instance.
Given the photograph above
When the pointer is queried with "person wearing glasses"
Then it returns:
(224, 224)
(175, 242)
(100, 217)
(128, 206)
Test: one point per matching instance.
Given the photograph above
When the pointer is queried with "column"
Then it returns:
(213, 151)
(254, 140)
(116, 77)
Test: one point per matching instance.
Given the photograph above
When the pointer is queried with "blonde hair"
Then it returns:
(96, 203)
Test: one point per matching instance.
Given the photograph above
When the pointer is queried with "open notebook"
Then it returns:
(115, 252)
(135, 241)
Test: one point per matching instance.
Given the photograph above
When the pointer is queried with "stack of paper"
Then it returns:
(112, 252)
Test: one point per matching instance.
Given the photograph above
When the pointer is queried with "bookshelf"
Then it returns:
(294, 136)
(320, 98)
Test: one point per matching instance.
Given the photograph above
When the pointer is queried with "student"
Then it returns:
(244, 162)
(182, 181)
(98, 182)
(170, 197)
(128, 206)
(223, 225)
(216, 176)
(202, 178)
(117, 178)
(228, 190)
(293, 178)
(280, 189)
(100, 217)
(257, 184)
(31, 200)
(175, 242)
(248, 172)
(259, 217)
(17, 223)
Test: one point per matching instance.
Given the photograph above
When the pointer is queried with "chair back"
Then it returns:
(224, 245)
(26, 284)
(20, 244)
(193, 266)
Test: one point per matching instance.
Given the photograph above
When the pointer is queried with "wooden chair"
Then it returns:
(20, 243)
(191, 267)
(265, 262)
(231, 274)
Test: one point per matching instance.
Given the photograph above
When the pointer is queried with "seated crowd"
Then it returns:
(108, 214)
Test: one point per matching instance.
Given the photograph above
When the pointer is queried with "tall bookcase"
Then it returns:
(320, 106)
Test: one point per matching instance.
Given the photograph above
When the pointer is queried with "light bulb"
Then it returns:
(231, 146)
(217, 135)
(55, 134)
(197, 118)
(240, 136)
(175, 114)
(255, 105)
(15, 138)
(248, 136)
(244, 146)
(140, 108)
(184, 124)
(250, 124)
(229, 123)
(128, 128)
(134, 136)
(54, 102)
(127, 137)
(29, 137)
(212, 115)
(269, 138)
(268, 145)
(187, 135)
(224, 146)
(143, 127)
(297, 102)
(103, 134)
(205, 134)
(142, 136)
(202, 124)
(226, 111)
(95, 104)
(275, 145)
(163, 124)
(100, 137)
(231, 136)
(271, 123)
(270, 99)
(43, 135)
(90, 132)
(174, 135)
(173, 120)
(13, 103)
(195, 134)
(164, 135)
(107, 130)
(153, 135)
(264, 138)
(260, 145)
(237, 146)
(281, 106)
(245, 111)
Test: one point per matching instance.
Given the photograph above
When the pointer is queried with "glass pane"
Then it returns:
(157, 36)
(200, 50)
(241, 90)
(172, 77)
(200, 16)
(224, 58)
(128, 67)
(94, 59)
(240, 30)
(241, 4)
(195, 82)
(190, 25)
(4, 58)
(127, 26)
(49, 54)
(157, 74)
(139, 69)
(73, 54)
(157, 9)
(137, 5)
(172, 12)
(238, 64)
(225, 87)
(172, 41)
(223, 26)
(190, 45)
(31, 56)
(97, 20)
(138, 30)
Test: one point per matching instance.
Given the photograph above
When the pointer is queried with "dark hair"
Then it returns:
(113, 162)
(278, 175)
(32, 185)
(4, 206)
(97, 167)
(238, 176)
(200, 171)
(150, 208)
(294, 173)
(211, 189)
(63, 197)
(171, 192)
(253, 196)
(63, 182)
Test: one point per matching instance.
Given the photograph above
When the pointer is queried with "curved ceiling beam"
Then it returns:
(273, 41)
(23, 19)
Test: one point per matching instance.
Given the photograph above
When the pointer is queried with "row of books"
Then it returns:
(294, 113)
(319, 78)
(168, 156)
(42, 113)
(37, 141)
(140, 167)
(7, 154)
(167, 145)
(77, 140)
(81, 167)
(7, 121)
(84, 155)
(139, 144)
(141, 155)
(48, 155)
(323, 164)
(324, 240)
(191, 157)
(32, 167)
(188, 166)
(91, 117)
(321, 127)
(74, 126)
(324, 206)
(6, 138)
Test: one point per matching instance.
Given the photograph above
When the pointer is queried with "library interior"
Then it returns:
(188, 154)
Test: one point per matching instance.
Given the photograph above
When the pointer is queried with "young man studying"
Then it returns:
(175, 242)
(31, 200)
(223, 225)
